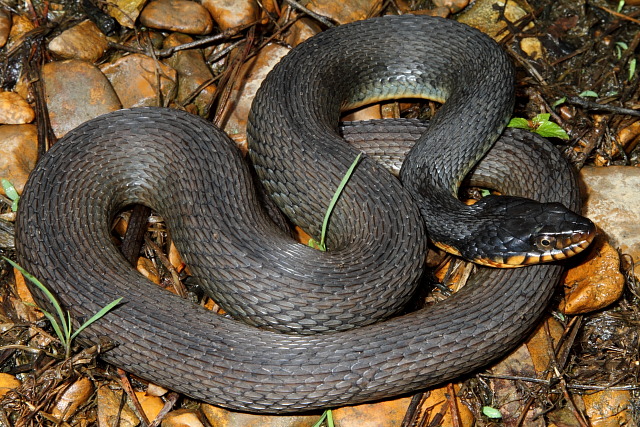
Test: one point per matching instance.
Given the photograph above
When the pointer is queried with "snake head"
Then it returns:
(518, 232)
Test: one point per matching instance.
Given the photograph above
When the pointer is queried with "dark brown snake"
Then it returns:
(194, 176)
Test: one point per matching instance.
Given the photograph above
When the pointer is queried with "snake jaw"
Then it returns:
(518, 232)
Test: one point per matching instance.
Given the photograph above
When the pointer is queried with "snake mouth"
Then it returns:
(565, 248)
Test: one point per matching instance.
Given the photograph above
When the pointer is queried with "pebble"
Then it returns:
(454, 6)
(594, 284)
(110, 410)
(223, 417)
(76, 91)
(126, 12)
(612, 203)
(20, 25)
(252, 73)
(18, 145)
(73, 397)
(343, 12)
(151, 405)
(485, 16)
(83, 41)
(7, 383)
(14, 109)
(184, 16)
(232, 13)
(301, 30)
(192, 71)
(389, 413)
(182, 418)
(133, 78)
(609, 408)
(5, 26)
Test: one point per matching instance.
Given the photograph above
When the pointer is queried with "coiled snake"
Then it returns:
(194, 176)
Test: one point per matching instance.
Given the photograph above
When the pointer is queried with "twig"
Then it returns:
(320, 18)
(601, 107)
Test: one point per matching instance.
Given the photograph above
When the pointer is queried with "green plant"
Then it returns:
(326, 415)
(11, 193)
(321, 245)
(62, 326)
(541, 125)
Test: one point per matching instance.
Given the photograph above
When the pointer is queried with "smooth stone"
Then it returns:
(126, 12)
(182, 418)
(19, 148)
(613, 204)
(177, 15)
(5, 26)
(76, 395)
(301, 30)
(250, 77)
(76, 91)
(20, 26)
(83, 41)
(222, 417)
(454, 6)
(14, 109)
(193, 72)
(133, 78)
(595, 283)
(343, 12)
(232, 13)
(110, 410)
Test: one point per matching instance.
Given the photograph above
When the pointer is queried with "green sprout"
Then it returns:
(541, 125)
(321, 245)
(326, 415)
(62, 325)
(11, 193)
(491, 412)
(588, 94)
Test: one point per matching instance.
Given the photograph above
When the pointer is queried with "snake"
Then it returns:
(317, 329)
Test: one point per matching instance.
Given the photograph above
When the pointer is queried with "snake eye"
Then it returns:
(545, 243)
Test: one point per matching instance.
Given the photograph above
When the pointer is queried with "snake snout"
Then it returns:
(528, 232)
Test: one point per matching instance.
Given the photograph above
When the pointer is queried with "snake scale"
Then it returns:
(194, 176)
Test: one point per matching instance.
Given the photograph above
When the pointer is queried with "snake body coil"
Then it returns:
(193, 175)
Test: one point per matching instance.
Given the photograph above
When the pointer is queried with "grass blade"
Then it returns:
(97, 316)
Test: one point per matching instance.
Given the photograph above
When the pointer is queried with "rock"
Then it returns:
(20, 25)
(73, 397)
(151, 405)
(182, 418)
(595, 283)
(76, 91)
(612, 203)
(251, 75)
(18, 145)
(5, 26)
(301, 30)
(454, 6)
(7, 383)
(134, 79)
(177, 15)
(389, 413)
(14, 110)
(126, 12)
(232, 13)
(109, 409)
(193, 72)
(608, 408)
(343, 12)
(485, 16)
(223, 417)
(83, 41)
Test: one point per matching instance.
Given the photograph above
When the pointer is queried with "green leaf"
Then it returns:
(588, 93)
(321, 245)
(559, 102)
(632, 68)
(491, 412)
(47, 293)
(11, 193)
(620, 5)
(540, 119)
(519, 123)
(97, 316)
(622, 45)
(549, 129)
